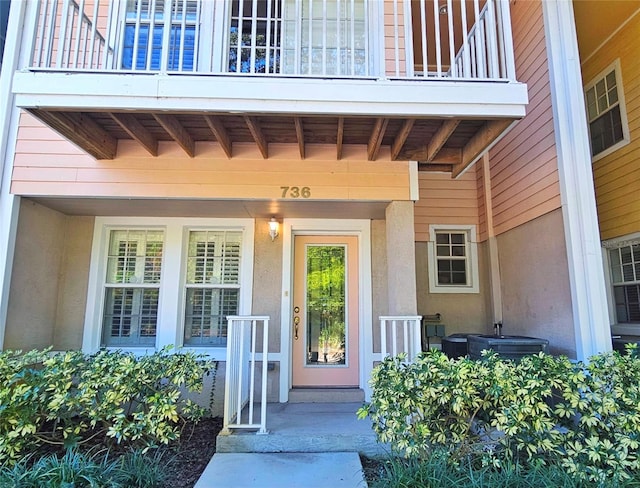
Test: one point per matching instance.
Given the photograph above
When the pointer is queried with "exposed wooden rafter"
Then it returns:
(401, 138)
(479, 143)
(177, 133)
(375, 140)
(339, 138)
(440, 138)
(446, 155)
(80, 129)
(300, 135)
(256, 132)
(137, 131)
(220, 133)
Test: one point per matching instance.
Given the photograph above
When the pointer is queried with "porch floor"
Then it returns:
(307, 428)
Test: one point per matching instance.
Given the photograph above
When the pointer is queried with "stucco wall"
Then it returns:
(536, 296)
(49, 282)
(33, 297)
(379, 295)
(461, 312)
(74, 277)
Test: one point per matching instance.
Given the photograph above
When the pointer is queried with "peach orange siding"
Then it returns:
(524, 176)
(46, 165)
(445, 201)
(617, 175)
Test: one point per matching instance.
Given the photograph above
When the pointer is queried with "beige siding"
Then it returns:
(617, 176)
(524, 175)
(45, 164)
(444, 200)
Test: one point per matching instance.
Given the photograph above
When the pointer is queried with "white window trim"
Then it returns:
(170, 329)
(472, 260)
(626, 240)
(626, 138)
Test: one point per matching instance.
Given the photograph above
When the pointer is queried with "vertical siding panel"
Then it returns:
(524, 184)
(617, 174)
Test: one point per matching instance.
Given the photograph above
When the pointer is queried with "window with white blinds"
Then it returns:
(157, 38)
(168, 281)
(212, 286)
(131, 288)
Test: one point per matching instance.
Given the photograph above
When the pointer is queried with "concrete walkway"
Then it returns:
(283, 470)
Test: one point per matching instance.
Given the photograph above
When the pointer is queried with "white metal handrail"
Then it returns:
(428, 39)
(400, 334)
(240, 377)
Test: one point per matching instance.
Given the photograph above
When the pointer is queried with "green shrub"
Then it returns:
(134, 469)
(584, 418)
(70, 398)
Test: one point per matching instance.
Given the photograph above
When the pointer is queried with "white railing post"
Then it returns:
(405, 335)
(507, 39)
(242, 361)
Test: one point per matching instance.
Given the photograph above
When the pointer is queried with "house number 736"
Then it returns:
(295, 192)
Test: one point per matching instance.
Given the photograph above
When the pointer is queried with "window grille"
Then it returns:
(625, 277)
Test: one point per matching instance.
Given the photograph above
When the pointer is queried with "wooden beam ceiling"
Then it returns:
(220, 133)
(256, 132)
(299, 135)
(449, 145)
(82, 130)
(173, 127)
(375, 140)
(137, 131)
(479, 143)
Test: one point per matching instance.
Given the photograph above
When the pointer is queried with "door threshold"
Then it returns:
(329, 394)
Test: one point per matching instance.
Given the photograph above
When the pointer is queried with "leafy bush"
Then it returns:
(543, 409)
(85, 470)
(70, 398)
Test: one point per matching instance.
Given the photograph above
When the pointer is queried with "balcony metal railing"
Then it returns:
(429, 39)
(240, 395)
(400, 334)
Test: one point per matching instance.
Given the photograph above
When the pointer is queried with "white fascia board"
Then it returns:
(91, 91)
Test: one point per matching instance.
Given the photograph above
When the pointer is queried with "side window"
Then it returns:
(131, 287)
(212, 286)
(606, 113)
(625, 279)
(453, 262)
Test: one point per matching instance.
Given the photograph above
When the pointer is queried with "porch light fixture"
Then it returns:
(273, 229)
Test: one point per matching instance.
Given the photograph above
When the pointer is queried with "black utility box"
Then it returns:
(455, 345)
(506, 346)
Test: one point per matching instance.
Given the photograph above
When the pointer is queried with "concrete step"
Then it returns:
(307, 428)
(291, 470)
(326, 395)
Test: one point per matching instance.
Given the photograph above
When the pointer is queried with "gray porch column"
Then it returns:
(401, 259)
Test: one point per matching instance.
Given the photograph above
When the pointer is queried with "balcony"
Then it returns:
(433, 80)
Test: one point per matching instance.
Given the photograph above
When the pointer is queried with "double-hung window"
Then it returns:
(606, 112)
(453, 259)
(131, 289)
(212, 286)
(625, 279)
(156, 282)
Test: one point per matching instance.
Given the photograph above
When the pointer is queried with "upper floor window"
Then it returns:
(606, 112)
(145, 27)
(453, 261)
(625, 279)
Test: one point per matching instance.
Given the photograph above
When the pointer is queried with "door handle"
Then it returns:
(296, 321)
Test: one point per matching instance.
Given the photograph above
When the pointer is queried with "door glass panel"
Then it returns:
(326, 304)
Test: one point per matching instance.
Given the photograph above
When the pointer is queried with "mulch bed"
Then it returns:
(192, 453)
